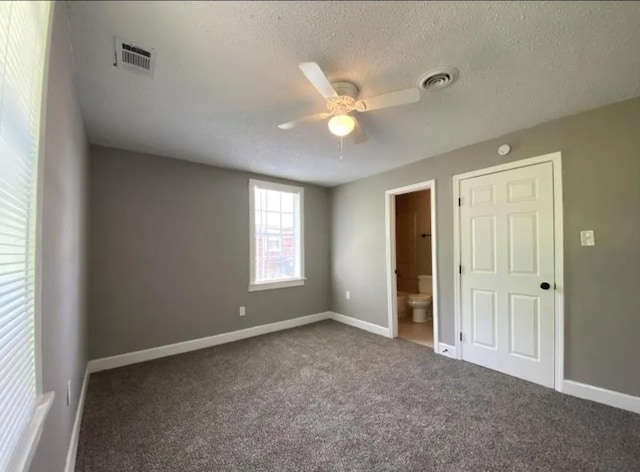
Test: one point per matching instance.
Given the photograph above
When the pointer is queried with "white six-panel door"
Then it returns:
(507, 257)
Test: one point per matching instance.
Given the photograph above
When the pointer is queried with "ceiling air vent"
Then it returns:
(438, 79)
(135, 57)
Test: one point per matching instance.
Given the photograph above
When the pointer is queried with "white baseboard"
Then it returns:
(135, 357)
(70, 463)
(121, 360)
(356, 323)
(447, 350)
(602, 395)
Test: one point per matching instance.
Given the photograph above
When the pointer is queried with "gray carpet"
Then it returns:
(328, 397)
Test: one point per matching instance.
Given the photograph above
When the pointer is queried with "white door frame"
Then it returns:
(390, 219)
(556, 161)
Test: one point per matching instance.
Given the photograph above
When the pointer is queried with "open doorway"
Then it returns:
(411, 263)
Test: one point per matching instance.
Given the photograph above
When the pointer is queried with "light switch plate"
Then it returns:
(243, 311)
(347, 295)
(587, 238)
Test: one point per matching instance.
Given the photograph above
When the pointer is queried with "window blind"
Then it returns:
(23, 39)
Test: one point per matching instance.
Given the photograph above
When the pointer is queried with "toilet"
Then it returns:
(421, 302)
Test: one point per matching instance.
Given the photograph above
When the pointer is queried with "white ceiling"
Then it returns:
(226, 75)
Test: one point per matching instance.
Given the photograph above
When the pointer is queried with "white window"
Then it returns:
(277, 242)
(23, 40)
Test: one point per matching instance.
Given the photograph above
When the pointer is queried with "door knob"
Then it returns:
(545, 286)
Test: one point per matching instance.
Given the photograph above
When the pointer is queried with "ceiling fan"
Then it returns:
(342, 101)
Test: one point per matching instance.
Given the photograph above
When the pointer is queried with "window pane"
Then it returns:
(276, 252)
(273, 221)
(288, 255)
(259, 198)
(287, 222)
(287, 202)
(273, 244)
(273, 200)
(275, 258)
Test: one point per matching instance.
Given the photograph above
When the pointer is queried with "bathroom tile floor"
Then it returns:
(420, 333)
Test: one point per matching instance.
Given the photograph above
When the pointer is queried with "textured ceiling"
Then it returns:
(226, 75)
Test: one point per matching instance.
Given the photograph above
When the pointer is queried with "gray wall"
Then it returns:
(601, 179)
(64, 352)
(169, 253)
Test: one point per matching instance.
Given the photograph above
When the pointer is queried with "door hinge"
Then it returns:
(460, 269)
(460, 335)
(459, 202)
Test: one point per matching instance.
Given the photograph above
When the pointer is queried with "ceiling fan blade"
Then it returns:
(358, 135)
(393, 99)
(314, 74)
(306, 119)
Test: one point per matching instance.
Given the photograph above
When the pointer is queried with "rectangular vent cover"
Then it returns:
(134, 57)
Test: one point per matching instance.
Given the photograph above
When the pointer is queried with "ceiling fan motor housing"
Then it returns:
(347, 89)
(346, 99)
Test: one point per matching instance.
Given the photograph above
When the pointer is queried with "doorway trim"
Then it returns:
(556, 160)
(390, 223)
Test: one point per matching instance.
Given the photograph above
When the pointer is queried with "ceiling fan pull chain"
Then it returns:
(341, 138)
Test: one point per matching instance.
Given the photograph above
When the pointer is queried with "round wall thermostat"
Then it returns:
(504, 149)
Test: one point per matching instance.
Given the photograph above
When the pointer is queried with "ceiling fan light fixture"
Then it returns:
(341, 125)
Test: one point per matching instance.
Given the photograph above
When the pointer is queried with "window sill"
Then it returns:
(29, 441)
(274, 285)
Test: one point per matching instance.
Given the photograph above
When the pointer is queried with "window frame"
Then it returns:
(299, 231)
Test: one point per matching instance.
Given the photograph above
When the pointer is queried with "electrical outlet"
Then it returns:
(243, 311)
(348, 295)
(69, 392)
